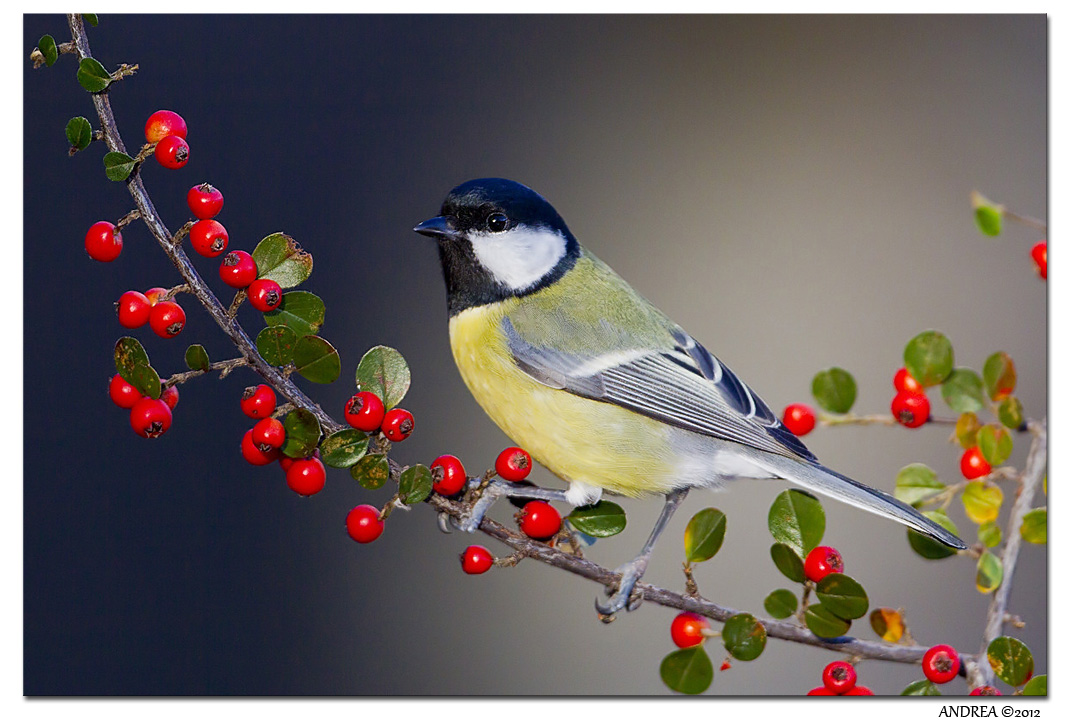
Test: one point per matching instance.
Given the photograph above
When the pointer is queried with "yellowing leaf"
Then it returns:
(887, 624)
(982, 501)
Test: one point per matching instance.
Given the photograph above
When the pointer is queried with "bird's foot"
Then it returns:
(624, 597)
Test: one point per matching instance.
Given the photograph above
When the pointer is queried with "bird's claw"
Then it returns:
(625, 597)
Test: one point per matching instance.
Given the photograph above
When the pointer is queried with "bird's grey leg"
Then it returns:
(497, 489)
(633, 571)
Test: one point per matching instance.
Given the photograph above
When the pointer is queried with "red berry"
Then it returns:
(540, 520)
(453, 475)
(133, 309)
(397, 424)
(513, 464)
(167, 319)
(687, 629)
(258, 402)
(986, 691)
(940, 664)
(476, 559)
(725, 665)
(859, 691)
(269, 432)
(973, 464)
(163, 123)
(254, 454)
(1040, 254)
(911, 409)
(238, 269)
(363, 523)
(838, 677)
(150, 417)
(821, 562)
(123, 393)
(265, 295)
(205, 201)
(155, 294)
(172, 152)
(286, 462)
(798, 418)
(821, 692)
(364, 411)
(904, 381)
(170, 397)
(103, 241)
(306, 476)
(209, 238)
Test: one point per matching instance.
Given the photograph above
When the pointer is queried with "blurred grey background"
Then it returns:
(792, 190)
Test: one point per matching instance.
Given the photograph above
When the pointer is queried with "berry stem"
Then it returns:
(224, 367)
(871, 419)
(1027, 221)
(181, 233)
(127, 219)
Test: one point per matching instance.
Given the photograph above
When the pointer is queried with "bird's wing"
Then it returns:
(685, 386)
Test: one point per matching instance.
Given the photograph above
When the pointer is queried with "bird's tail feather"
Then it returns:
(821, 480)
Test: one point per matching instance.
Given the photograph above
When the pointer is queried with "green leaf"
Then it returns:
(824, 623)
(92, 76)
(79, 133)
(988, 220)
(916, 483)
(145, 379)
(989, 573)
(704, 535)
(317, 360)
(999, 374)
(1035, 528)
(990, 534)
(787, 561)
(796, 518)
(372, 471)
(302, 434)
(1010, 412)
(688, 671)
(384, 372)
(962, 391)
(967, 426)
(928, 548)
(301, 311)
(128, 353)
(344, 448)
(118, 166)
(90, 18)
(281, 259)
(47, 46)
(602, 519)
(1011, 660)
(276, 344)
(744, 637)
(928, 357)
(921, 688)
(197, 358)
(780, 603)
(995, 443)
(982, 501)
(414, 486)
(834, 389)
(1037, 686)
(842, 596)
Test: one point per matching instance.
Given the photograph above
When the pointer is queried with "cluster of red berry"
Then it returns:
(365, 411)
(262, 444)
(839, 679)
(165, 318)
(148, 417)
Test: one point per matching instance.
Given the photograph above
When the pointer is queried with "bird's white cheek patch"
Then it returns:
(519, 258)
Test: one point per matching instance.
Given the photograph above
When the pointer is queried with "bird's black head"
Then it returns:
(497, 239)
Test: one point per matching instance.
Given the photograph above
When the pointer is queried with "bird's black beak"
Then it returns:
(439, 227)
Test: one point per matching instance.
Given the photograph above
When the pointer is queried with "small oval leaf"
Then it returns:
(744, 636)
(47, 46)
(842, 596)
(796, 518)
(79, 133)
(281, 259)
(1000, 376)
(921, 688)
(1037, 686)
(299, 310)
(928, 548)
(197, 358)
(118, 166)
(967, 426)
(688, 671)
(276, 344)
(982, 501)
(344, 448)
(781, 603)
(990, 534)
(1010, 412)
(317, 360)
(824, 623)
(929, 358)
(90, 18)
(834, 389)
(915, 483)
(603, 519)
(145, 379)
(888, 624)
(989, 573)
(1011, 660)
(962, 391)
(704, 535)
(372, 471)
(995, 443)
(384, 372)
(787, 561)
(302, 434)
(1035, 528)
(92, 76)
(414, 485)
(128, 353)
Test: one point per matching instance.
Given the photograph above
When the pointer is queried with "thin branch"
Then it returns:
(872, 419)
(224, 367)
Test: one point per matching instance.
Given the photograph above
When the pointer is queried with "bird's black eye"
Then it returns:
(497, 222)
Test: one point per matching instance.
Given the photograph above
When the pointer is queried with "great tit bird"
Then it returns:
(596, 383)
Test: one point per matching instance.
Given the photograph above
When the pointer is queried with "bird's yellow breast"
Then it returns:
(578, 439)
